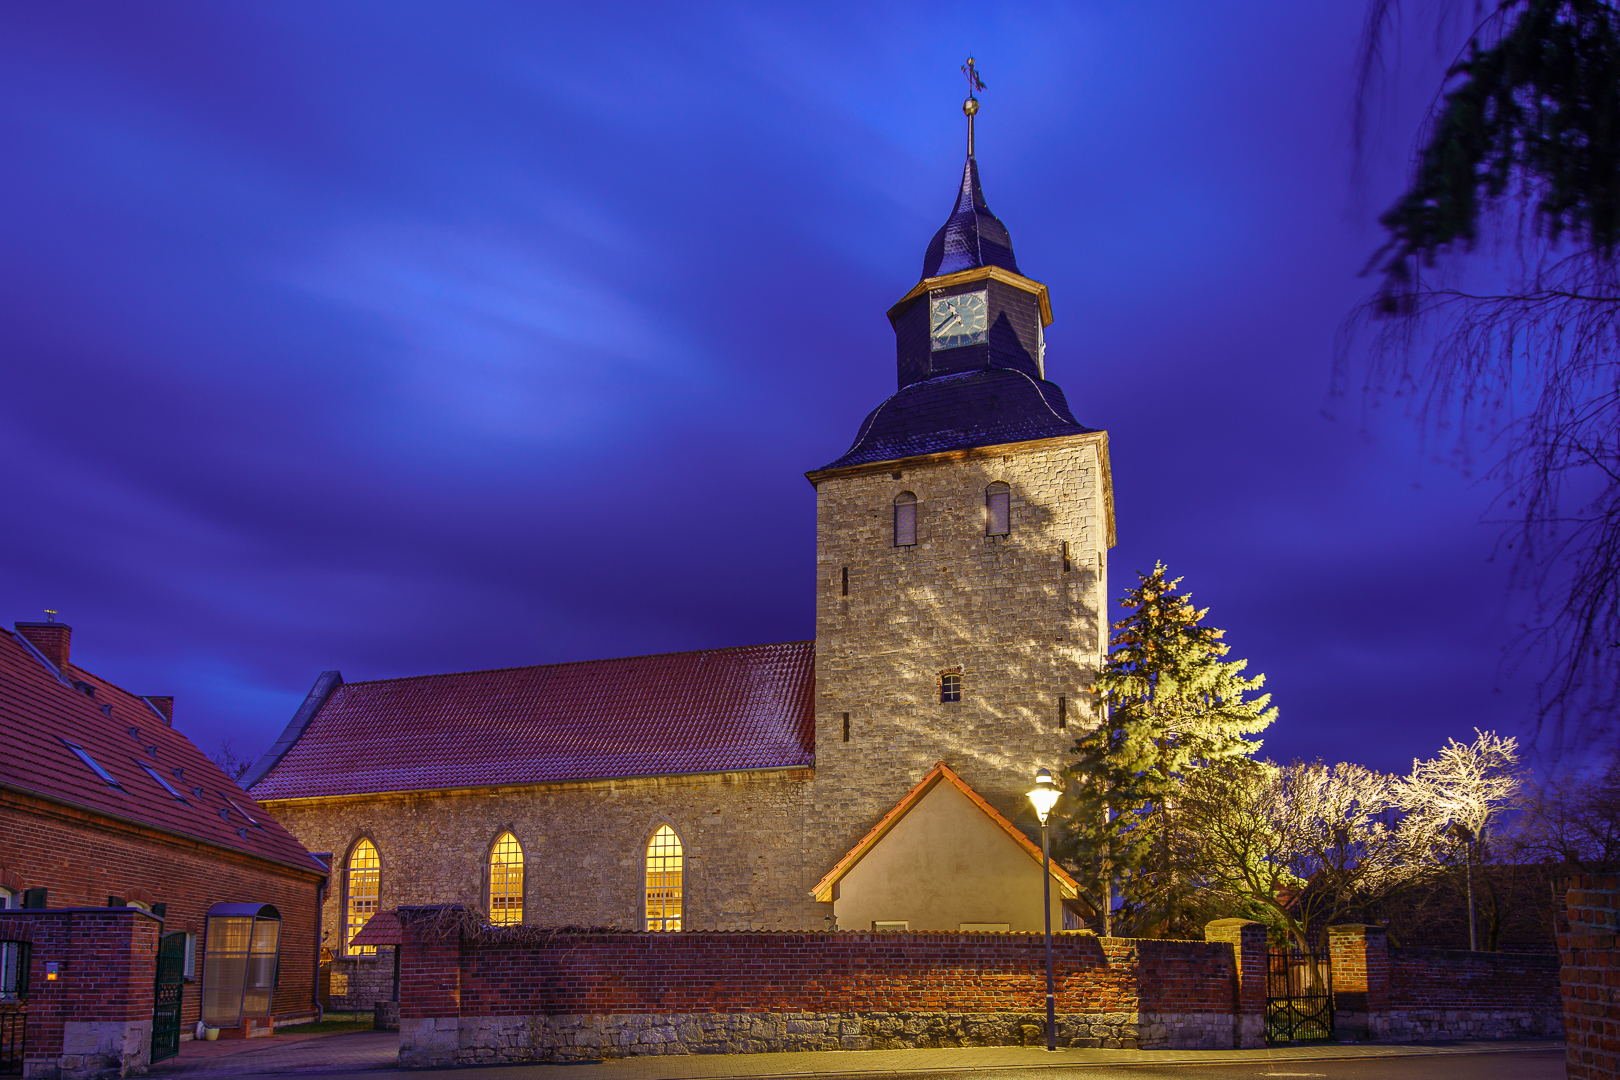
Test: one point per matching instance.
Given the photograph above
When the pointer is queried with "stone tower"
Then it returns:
(961, 550)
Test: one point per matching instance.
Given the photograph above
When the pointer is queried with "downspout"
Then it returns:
(315, 985)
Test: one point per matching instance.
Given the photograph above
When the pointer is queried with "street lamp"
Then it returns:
(1044, 794)
(1466, 835)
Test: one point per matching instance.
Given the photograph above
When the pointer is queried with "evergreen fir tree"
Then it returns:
(1170, 704)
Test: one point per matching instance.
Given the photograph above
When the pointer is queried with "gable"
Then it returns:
(931, 830)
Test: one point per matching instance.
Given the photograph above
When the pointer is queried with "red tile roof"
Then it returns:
(121, 733)
(717, 710)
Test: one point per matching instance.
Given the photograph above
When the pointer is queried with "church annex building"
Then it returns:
(875, 775)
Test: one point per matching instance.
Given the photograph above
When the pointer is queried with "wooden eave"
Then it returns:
(1068, 888)
(978, 273)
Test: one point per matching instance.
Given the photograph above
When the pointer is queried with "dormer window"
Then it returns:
(905, 519)
(998, 509)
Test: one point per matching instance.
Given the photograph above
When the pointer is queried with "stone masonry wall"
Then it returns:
(584, 850)
(95, 1019)
(475, 995)
(998, 609)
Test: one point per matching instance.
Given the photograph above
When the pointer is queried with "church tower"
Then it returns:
(961, 548)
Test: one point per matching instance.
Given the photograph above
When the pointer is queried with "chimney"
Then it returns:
(163, 703)
(50, 638)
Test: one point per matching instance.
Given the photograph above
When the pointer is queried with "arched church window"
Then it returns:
(362, 886)
(998, 509)
(905, 519)
(506, 880)
(664, 880)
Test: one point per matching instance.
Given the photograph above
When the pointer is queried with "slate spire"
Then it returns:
(972, 236)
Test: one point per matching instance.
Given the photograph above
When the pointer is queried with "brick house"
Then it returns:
(961, 583)
(104, 806)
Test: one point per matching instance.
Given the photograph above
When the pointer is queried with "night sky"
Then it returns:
(405, 338)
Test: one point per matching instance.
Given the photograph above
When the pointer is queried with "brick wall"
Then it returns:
(83, 858)
(471, 994)
(95, 1018)
(1410, 995)
(1589, 977)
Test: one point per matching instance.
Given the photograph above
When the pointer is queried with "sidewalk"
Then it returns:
(987, 1058)
(368, 1051)
(322, 1052)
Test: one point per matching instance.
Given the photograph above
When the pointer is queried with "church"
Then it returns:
(870, 779)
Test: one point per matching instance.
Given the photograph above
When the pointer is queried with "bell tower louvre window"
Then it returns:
(905, 519)
(998, 509)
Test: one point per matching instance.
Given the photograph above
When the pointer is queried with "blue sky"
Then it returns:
(399, 338)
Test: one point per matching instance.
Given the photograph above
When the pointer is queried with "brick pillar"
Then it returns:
(429, 986)
(1248, 941)
(1588, 977)
(1359, 955)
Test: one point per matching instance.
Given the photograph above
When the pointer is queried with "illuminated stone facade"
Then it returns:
(1002, 611)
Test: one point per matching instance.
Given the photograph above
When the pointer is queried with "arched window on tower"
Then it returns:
(998, 509)
(362, 886)
(905, 519)
(506, 880)
(664, 880)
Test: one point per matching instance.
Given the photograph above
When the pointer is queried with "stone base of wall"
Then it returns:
(356, 982)
(1445, 1025)
(96, 1050)
(489, 1040)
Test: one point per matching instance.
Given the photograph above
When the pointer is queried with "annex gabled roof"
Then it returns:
(940, 773)
(716, 710)
(41, 713)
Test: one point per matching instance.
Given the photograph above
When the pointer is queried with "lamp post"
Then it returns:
(1044, 794)
(1466, 835)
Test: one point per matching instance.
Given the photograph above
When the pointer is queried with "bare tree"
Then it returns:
(1295, 846)
(1516, 186)
(229, 762)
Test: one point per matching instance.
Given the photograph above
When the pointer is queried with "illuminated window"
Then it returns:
(664, 880)
(506, 881)
(363, 884)
(905, 519)
(950, 688)
(998, 509)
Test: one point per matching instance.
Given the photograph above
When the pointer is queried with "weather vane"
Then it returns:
(971, 105)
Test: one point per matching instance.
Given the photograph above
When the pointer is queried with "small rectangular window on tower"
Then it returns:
(846, 727)
(1066, 562)
(950, 688)
(846, 581)
(1063, 710)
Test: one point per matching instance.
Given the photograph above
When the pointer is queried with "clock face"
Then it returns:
(958, 320)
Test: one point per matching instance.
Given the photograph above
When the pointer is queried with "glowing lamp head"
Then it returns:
(1044, 794)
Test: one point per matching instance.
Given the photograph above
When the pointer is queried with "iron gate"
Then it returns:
(1299, 995)
(14, 974)
(171, 980)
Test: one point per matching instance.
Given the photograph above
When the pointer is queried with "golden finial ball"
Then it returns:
(970, 106)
